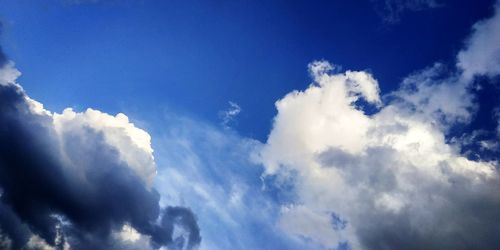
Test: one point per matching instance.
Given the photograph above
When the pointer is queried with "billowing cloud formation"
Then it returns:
(389, 180)
(79, 180)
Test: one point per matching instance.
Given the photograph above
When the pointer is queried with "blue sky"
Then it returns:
(267, 123)
(131, 56)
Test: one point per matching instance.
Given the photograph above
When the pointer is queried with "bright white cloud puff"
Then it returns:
(388, 180)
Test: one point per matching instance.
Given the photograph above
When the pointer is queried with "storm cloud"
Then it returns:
(79, 180)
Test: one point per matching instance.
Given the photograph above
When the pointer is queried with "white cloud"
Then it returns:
(132, 143)
(211, 169)
(129, 239)
(392, 10)
(320, 117)
(128, 233)
(387, 172)
(391, 176)
(301, 220)
(230, 114)
(426, 95)
(9, 74)
(482, 53)
(36, 242)
(195, 160)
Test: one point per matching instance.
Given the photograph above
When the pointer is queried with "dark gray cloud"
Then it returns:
(185, 218)
(12, 228)
(79, 195)
(461, 214)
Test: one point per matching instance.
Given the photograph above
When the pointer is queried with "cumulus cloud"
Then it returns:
(133, 144)
(390, 176)
(388, 180)
(79, 180)
(482, 53)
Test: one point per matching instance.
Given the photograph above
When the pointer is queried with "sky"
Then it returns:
(147, 124)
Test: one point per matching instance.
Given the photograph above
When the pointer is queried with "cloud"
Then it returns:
(212, 169)
(334, 175)
(482, 53)
(230, 114)
(391, 179)
(391, 10)
(426, 94)
(390, 176)
(76, 179)
(133, 144)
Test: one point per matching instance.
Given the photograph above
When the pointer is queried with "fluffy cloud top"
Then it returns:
(482, 53)
(133, 144)
(389, 180)
(79, 180)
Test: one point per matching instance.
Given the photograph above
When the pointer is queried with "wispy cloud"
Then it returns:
(228, 116)
(213, 169)
(482, 53)
(392, 10)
